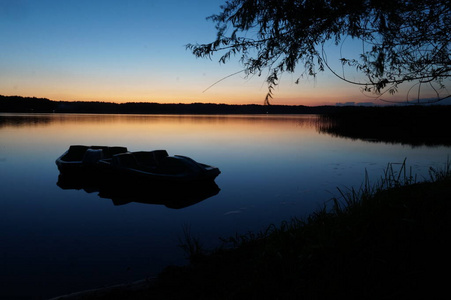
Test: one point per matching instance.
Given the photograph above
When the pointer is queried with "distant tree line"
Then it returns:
(20, 104)
(413, 125)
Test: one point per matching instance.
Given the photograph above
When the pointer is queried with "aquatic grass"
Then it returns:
(441, 174)
(392, 178)
(191, 245)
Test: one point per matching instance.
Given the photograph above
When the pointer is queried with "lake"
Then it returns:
(55, 241)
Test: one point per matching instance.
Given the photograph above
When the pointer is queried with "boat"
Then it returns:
(119, 163)
(157, 165)
(80, 157)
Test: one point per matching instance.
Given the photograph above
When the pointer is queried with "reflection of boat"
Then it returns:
(79, 157)
(170, 194)
(154, 165)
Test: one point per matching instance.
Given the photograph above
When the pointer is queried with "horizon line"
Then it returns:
(347, 103)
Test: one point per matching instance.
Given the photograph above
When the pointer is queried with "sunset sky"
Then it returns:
(122, 51)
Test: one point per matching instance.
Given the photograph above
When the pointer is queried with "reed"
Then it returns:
(191, 245)
(441, 174)
(395, 175)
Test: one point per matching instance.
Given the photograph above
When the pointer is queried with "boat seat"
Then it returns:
(172, 165)
(76, 153)
(92, 156)
(160, 155)
(125, 160)
(150, 158)
(111, 151)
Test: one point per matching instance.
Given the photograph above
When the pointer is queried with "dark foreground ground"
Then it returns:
(393, 244)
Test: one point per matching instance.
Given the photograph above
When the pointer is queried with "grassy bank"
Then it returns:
(384, 241)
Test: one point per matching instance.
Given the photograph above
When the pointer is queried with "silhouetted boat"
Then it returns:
(79, 157)
(140, 165)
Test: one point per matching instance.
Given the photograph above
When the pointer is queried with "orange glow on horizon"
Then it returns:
(240, 91)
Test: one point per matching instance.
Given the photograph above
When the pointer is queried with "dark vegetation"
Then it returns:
(388, 241)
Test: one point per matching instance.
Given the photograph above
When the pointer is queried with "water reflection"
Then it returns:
(375, 129)
(10, 119)
(19, 120)
(171, 195)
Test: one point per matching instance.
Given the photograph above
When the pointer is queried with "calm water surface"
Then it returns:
(56, 241)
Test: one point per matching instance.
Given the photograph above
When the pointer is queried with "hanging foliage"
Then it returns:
(402, 41)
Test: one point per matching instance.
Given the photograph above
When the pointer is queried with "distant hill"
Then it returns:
(20, 104)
